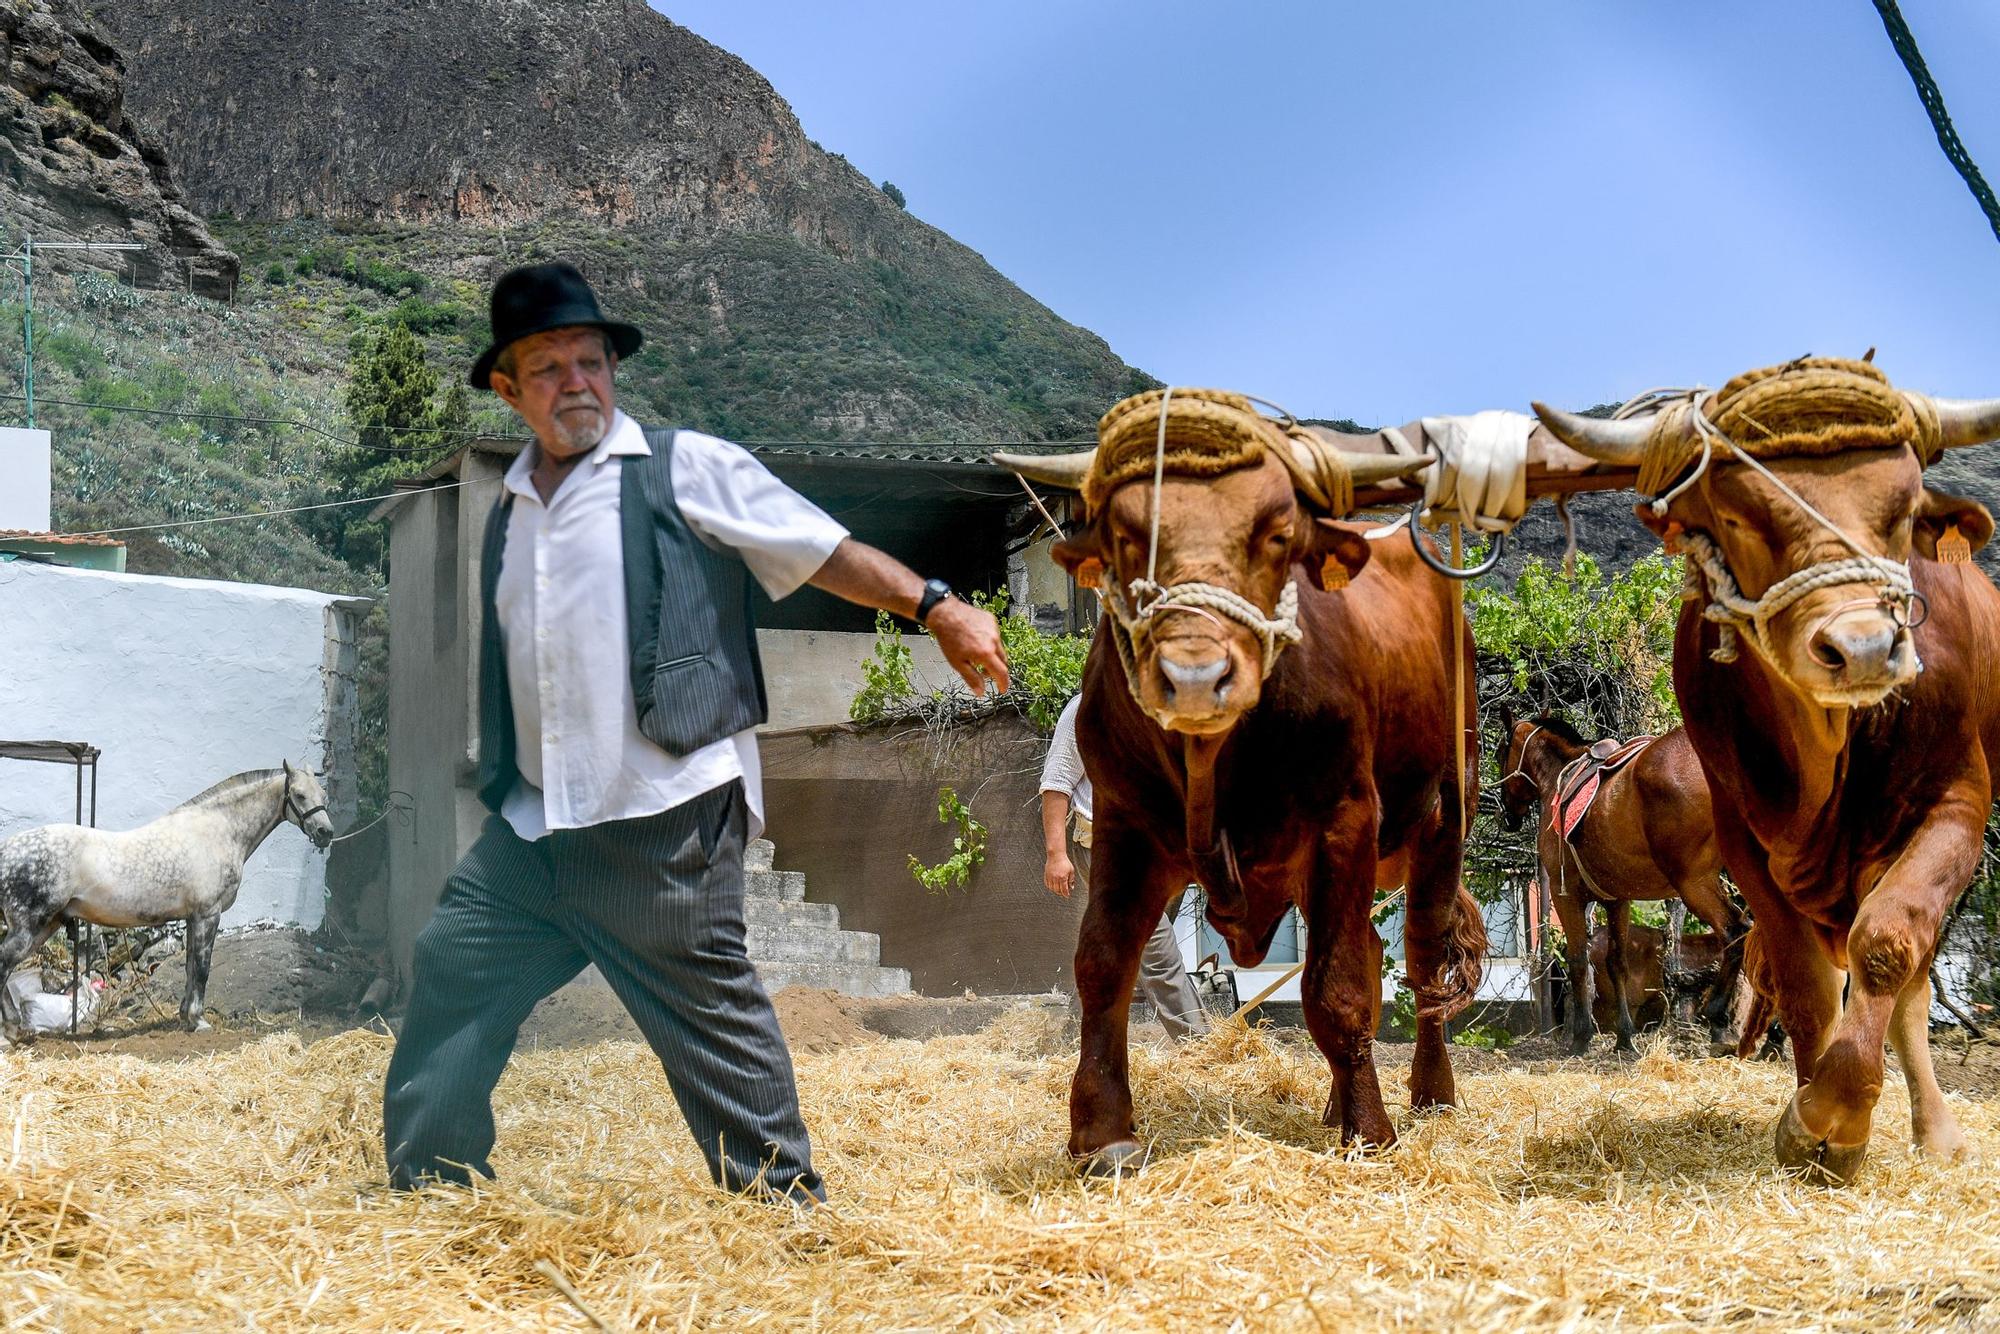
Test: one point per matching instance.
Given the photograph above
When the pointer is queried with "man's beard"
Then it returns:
(576, 432)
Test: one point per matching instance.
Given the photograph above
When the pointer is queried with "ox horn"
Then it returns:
(1365, 467)
(1618, 441)
(1063, 470)
(1966, 421)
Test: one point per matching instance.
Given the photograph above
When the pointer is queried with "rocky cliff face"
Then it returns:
(486, 111)
(73, 167)
(783, 294)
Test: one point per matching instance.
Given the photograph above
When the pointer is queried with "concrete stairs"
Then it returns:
(799, 944)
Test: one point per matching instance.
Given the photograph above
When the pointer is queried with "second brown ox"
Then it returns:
(1842, 699)
(1308, 777)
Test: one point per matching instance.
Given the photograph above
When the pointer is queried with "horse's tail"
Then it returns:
(1463, 963)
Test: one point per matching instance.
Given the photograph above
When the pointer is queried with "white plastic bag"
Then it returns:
(40, 1011)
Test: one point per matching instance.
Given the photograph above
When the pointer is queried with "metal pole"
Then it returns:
(28, 330)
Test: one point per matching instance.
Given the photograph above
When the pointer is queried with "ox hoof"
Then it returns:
(1112, 1160)
(1814, 1159)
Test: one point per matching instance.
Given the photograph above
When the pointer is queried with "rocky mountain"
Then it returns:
(74, 167)
(786, 295)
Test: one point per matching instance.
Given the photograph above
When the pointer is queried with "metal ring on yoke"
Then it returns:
(1450, 571)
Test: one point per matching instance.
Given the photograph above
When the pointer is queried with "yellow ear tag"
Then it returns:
(1953, 548)
(1671, 539)
(1090, 574)
(1332, 574)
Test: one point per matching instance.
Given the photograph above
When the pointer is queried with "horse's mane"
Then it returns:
(1562, 727)
(233, 783)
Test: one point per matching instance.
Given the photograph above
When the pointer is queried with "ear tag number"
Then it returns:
(1953, 548)
(1090, 574)
(1332, 574)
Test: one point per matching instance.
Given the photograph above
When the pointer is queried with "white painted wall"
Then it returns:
(24, 479)
(180, 682)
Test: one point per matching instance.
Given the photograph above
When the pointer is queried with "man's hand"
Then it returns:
(1058, 873)
(970, 641)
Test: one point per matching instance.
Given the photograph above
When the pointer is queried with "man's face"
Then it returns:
(561, 387)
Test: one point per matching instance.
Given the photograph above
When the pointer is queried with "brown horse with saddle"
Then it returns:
(1622, 822)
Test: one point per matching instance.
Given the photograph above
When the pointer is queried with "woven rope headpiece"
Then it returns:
(1210, 432)
(1812, 406)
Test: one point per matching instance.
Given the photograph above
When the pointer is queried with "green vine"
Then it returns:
(885, 675)
(968, 847)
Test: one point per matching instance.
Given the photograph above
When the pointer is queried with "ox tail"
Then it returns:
(1462, 964)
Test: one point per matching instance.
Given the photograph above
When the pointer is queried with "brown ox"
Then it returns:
(1648, 835)
(1312, 784)
(1850, 787)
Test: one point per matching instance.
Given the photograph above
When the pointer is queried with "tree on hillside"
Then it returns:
(393, 400)
(895, 195)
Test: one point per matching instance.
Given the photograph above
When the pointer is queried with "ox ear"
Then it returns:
(1083, 556)
(1938, 514)
(1336, 555)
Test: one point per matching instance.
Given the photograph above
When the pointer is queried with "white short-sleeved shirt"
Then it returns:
(1063, 771)
(561, 606)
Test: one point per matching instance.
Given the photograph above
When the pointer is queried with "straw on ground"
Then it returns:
(240, 1190)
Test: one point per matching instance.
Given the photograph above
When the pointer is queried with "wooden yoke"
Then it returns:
(1554, 469)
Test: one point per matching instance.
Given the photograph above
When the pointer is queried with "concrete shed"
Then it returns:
(180, 682)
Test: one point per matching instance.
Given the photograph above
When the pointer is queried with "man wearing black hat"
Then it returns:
(619, 692)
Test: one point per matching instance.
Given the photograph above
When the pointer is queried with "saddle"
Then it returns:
(1578, 784)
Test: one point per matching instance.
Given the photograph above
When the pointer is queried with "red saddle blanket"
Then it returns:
(1578, 784)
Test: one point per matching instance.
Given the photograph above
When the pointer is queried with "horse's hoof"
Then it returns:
(1112, 1160)
(1816, 1160)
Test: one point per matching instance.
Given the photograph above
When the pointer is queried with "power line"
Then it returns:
(273, 514)
(197, 415)
(1933, 100)
(274, 421)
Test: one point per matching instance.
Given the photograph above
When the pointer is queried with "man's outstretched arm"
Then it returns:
(969, 637)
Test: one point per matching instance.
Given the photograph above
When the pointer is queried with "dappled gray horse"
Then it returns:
(185, 866)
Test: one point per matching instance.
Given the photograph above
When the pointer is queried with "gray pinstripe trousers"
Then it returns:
(657, 904)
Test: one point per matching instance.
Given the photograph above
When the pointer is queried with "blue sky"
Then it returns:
(1382, 211)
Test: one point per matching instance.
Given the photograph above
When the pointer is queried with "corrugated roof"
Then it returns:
(57, 539)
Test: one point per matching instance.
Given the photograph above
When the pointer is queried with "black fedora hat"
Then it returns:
(537, 298)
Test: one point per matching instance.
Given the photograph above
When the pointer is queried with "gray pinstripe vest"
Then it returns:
(692, 647)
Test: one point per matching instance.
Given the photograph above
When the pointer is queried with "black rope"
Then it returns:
(1933, 100)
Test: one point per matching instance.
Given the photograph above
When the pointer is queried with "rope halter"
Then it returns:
(1739, 616)
(1134, 622)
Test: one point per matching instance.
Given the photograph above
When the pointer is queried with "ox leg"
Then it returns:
(1618, 927)
(1341, 992)
(1128, 892)
(1574, 914)
(1933, 1128)
(200, 953)
(1888, 949)
(1342, 999)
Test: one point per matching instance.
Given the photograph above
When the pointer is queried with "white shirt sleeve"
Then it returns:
(732, 501)
(1063, 770)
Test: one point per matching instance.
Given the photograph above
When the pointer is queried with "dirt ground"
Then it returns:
(581, 1015)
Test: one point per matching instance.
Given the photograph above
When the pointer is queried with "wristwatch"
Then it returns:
(935, 591)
